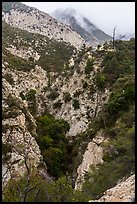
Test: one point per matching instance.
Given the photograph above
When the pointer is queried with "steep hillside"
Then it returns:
(42, 76)
(124, 191)
(111, 154)
(66, 112)
(81, 25)
(55, 70)
(31, 19)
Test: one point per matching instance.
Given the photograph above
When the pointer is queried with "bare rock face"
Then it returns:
(92, 156)
(90, 103)
(122, 192)
(35, 21)
(24, 147)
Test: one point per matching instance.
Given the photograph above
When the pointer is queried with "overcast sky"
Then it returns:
(105, 15)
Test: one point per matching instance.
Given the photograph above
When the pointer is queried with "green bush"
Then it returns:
(53, 95)
(57, 105)
(105, 176)
(77, 93)
(75, 104)
(89, 66)
(30, 95)
(32, 103)
(40, 190)
(119, 63)
(11, 112)
(22, 95)
(85, 84)
(121, 99)
(67, 97)
(9, 78)
(18, 63)
(119, 160)
(100, 81)
(55, 60)
(6, 147)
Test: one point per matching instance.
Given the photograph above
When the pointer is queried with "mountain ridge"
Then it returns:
(35, 21)
(82, 25)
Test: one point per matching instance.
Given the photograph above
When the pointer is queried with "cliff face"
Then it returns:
(23, 147)
(92, 156)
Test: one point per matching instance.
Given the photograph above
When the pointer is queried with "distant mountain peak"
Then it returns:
(69, 11)
(79, 23)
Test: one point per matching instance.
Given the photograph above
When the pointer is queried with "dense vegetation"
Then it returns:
(89, 66)
(117, 121)
(17, 62)
(41, 190)
(53, 144)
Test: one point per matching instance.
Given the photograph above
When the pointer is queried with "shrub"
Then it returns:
(45, 89)
(9, 78)
(32, 104)
(11, 112)
(22, 95)
(75, 104)
(30, 95)
(18, 63)
(100, 81)
(31, 59)
(67, 97)
(53, 95)
(89, 66)
(77, 93)
(118, 63)
(85, 84)
(40, 190)
(105, 176)
(57, 105)
(6, 147)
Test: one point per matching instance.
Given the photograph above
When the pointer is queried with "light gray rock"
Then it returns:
(122, 192)
(39, 22)
(92, 156)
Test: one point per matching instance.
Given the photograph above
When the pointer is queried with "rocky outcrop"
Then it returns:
(24, 147)
(36, 21)
(92, 156)
(122, 192)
